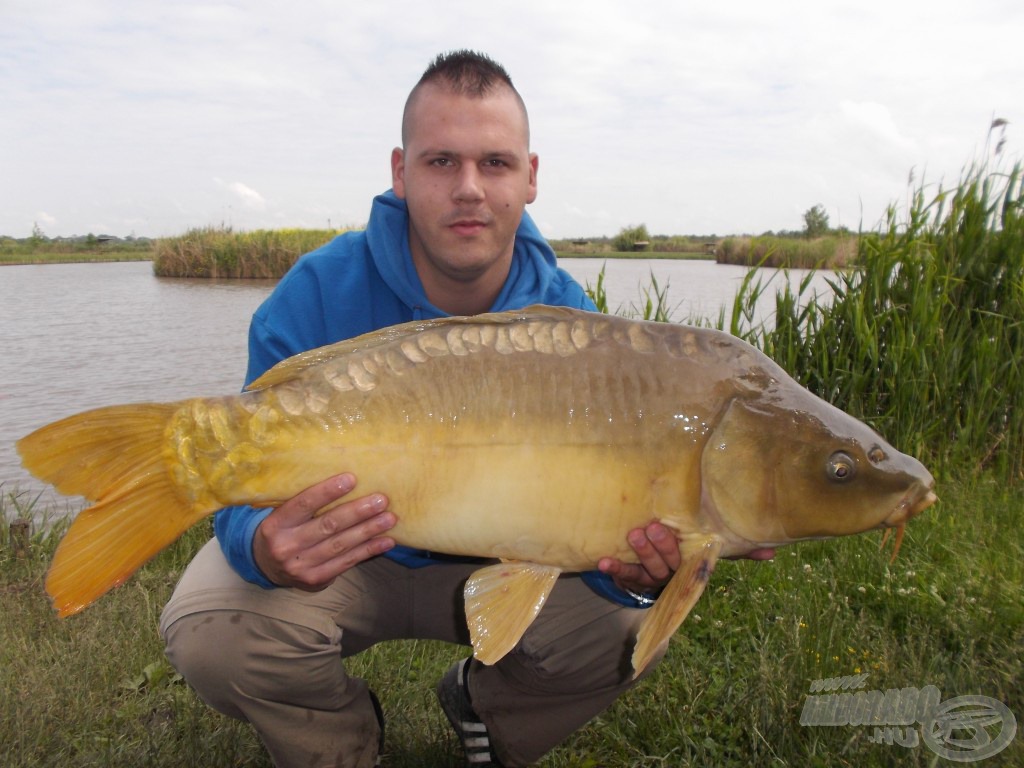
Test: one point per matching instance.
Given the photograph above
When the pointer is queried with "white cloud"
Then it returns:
(249, 196)
(690, 118)
(44, 219)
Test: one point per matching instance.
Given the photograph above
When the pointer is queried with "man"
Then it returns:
(264, 615)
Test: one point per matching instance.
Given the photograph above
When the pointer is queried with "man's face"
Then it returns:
(466, 174)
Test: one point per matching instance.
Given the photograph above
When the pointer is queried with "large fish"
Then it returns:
(539, 437)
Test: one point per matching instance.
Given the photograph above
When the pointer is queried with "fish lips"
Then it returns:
(911, 505)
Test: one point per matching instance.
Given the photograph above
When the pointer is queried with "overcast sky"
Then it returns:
(149, 118)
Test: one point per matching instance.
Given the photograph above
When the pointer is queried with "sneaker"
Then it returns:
(379, 712)
(453, 693)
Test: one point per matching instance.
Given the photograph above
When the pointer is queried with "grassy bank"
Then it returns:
(95, 689)
(40, 251)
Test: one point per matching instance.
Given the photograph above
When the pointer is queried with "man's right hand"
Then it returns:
(295, 548)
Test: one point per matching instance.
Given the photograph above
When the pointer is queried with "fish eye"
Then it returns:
(841, 467)
(876, 455)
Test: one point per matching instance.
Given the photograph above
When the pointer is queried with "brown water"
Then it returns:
(79, 336)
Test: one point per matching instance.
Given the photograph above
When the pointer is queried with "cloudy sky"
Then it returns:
(149, 118)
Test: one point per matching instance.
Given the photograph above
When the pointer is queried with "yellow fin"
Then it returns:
(502, 601)
(113, 456)
(90, 453)
(675, 602)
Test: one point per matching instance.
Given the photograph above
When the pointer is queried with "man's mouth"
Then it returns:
(467, 227)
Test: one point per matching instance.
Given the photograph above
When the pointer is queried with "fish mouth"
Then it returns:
(913, 504)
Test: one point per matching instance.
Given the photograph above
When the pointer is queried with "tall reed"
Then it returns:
(925, 340)
(221, 252)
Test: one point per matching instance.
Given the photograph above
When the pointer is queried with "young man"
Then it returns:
(264, 615)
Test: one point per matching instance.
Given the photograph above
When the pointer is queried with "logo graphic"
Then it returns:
(959, 729)
(963, 729)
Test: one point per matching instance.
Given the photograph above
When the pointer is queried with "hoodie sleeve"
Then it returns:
(269, 342)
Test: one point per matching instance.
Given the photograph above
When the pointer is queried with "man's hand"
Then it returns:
(658, 550)
(294, 548)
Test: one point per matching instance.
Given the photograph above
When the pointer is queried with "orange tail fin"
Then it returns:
(115, 457)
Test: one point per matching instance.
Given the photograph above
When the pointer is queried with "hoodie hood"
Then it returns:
(534, 271)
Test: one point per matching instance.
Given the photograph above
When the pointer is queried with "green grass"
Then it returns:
(36, 251)
(95, 689)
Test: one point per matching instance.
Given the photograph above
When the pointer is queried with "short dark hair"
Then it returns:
(466, 73)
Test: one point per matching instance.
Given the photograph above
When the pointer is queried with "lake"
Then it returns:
(79, 336)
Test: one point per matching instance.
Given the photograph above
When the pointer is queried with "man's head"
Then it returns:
(466, 172)
(465, 73)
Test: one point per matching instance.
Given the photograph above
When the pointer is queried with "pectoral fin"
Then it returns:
(501, 602)
(675, 602)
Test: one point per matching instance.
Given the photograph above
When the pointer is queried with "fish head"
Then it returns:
(789, 466)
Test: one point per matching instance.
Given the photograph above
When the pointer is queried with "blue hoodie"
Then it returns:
(361, 282)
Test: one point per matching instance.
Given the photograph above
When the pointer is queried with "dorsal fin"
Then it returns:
(292, 367)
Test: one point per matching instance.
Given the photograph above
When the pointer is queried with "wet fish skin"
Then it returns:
(540, 436)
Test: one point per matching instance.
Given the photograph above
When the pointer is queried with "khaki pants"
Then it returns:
(274, 657)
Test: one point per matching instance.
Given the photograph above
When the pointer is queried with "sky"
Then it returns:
(142, 118)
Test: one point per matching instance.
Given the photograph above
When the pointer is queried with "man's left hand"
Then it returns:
(657, 548)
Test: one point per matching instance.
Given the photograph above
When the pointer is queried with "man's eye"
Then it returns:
(441, 162)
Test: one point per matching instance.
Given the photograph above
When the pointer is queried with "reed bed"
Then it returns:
(220, 252)
(924, 340)
(832, 252)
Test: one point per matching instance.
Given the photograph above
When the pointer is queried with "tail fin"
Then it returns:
(115, 457)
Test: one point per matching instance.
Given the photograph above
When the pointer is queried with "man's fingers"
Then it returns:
(306, 504)
(344, 516)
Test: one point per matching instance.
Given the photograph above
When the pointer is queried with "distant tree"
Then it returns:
(630, 236)
(38, 236)
(815, 222)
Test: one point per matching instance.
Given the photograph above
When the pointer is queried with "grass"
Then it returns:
(95, 689)
(39, 251)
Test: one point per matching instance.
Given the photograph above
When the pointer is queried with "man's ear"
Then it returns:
(398, 172)
(534, 164)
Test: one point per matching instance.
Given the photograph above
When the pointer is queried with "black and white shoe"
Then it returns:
(453, 693)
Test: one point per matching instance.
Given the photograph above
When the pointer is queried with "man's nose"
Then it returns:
(468, 186)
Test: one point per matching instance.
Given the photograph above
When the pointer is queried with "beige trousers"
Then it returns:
(274, 657)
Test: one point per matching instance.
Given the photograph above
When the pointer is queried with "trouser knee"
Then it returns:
(204, 649)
